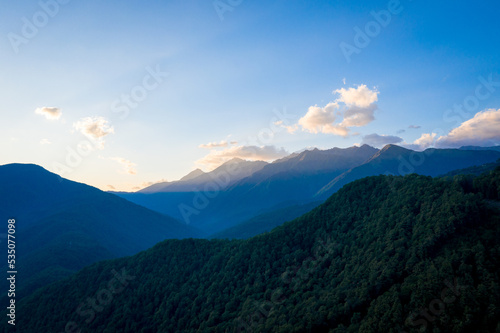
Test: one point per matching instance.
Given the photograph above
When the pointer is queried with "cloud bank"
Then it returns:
(482, 130)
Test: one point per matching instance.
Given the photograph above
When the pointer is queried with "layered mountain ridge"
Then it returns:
(295, 180)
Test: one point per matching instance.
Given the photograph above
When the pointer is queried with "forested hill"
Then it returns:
(63, 226)
(383, 254)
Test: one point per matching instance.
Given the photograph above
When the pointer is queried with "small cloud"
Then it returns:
(425, 141)
(128, 167)
(482, 130)
(376, 140)
(263, 153)
(290, 129)
(400, 131)
(111, 187)
(414, 126)
(45, 142)
(95, 128)
(50, 113)
(147, 184)
(343, 81)
(362, 96)
(212, 145)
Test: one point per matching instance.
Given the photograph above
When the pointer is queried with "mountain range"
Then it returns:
(239, 191)
(383, 254)
(63, 226)
(197, 179)
(395, 160)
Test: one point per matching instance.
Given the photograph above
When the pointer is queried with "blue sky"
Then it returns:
(225, 71)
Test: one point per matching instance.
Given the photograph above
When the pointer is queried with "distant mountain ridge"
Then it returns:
(234, 169)
(298, 179)
(293, 180)
(314, 162)
(192, 175)
(396, 160)
(497, 148)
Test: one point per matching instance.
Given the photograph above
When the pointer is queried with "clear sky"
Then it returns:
(118, 94)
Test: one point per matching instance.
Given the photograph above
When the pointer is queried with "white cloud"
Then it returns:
(482, 130)
(262, 153)
(95, 128)
(317, 118)
(128, 167)
(358, 110)
(45, 142)
(50, 113)
(377, 140)
(414, 126)
(361, 96)
(425, 141)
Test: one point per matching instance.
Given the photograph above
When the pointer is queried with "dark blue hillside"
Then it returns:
(62, 226)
